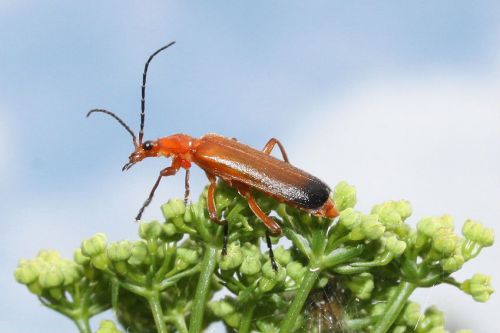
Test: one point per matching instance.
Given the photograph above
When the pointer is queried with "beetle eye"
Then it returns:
(148, 145)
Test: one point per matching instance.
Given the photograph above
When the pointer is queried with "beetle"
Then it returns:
(239, 165)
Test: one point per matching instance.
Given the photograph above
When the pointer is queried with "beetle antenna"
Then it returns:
(134, 139)
(143, 95)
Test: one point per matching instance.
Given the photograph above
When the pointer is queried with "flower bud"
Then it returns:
(95, 245)
(26, 272)
(411, 314)
(221, 308)
(283, 256)
(233, 258)
(269, 272)
(266, 284)
(139, 253)
(101, 261)
(251, 265)
(120, 251)
(395, 246)
(107, 326)
(479, 287)
(371, 227)
(478, 233)
(71, 272)
(189, 256)
(174, 208)
(51, 277)
(80, 258)
(296, 270)
(150, 230)
(350, 218)
(344, 196)
(444, 241)
(453, 263)
(361, 285)
(404, 209)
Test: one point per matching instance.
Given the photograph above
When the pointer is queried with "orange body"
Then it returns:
(244, 168)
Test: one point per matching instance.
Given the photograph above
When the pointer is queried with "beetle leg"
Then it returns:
(271, 224)
(186, 187)
(212, 210)
(268, 148)
(271, 253)
(169, 171)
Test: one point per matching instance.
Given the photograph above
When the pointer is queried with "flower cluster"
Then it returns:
(356, 273)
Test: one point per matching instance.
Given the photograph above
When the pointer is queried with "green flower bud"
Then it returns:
(283, 257)
(174, 208)
(269, 272)
(395, 246)
(389, 214)
(71, 272)
(479, 287)
(438, 329)
(56, 293)
(51, 277)
(399, 329)
(95, 245)
(35, 288)
(139, 253)
(121, 267)
(350, 218)
(26, 272)
(267, 284)
(444, 241)
(453, 263)
(371, 227)
(344, 196)
(189, 256)
(378, 309)
(296, 270)
(433, 318)
(429, 225)
(251, 265)
(107, 326)
(478, 233)
(221, 308)
(150, 230)
(361, 285)
(233, 258)
(411, 314)
(404, 209)
(101, 261)
(49, 256)
(80, 258)
(233, 320)
(120, 251)
(169, 229)
(250, 250)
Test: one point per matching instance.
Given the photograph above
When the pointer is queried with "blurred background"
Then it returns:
(401, 99)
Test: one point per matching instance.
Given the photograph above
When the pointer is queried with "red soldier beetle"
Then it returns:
(241, 166)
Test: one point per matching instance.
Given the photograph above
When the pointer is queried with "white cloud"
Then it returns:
(434, 140)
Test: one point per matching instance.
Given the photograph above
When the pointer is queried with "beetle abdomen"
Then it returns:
(236, 162)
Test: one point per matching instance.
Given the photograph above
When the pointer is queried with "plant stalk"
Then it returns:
(202, 289)
(295, 310)
(155, 305)
(394, 306)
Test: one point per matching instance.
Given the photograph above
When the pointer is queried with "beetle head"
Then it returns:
(147, 149)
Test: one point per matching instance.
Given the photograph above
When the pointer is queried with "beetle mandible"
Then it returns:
(239, 165)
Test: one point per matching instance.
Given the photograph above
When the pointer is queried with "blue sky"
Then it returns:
(400, 99)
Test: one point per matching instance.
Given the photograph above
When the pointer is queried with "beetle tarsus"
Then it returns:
(271, 253)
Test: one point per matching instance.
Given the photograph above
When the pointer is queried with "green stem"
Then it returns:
(247, 318)
(394, 307)
(180, 323)
(83, 325)
(155, 305)
(295, 310)
(202, 289)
